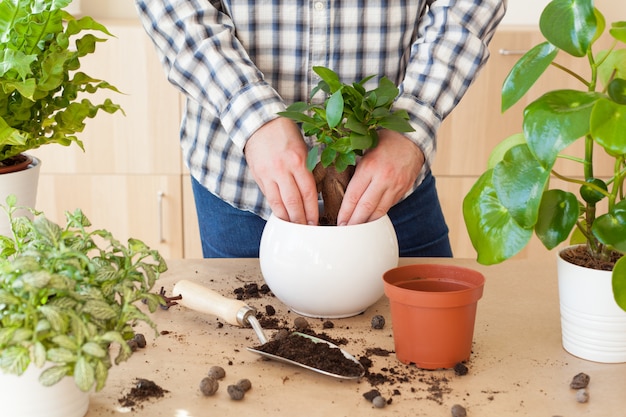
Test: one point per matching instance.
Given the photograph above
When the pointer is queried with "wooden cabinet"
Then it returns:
(468, 135)
(129, 179)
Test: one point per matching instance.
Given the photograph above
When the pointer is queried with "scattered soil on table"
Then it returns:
(579, 255)
(143, 390)
(433, 384)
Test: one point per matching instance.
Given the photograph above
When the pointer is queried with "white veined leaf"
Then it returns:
(53, 375)
(94, 349)
(84, 374)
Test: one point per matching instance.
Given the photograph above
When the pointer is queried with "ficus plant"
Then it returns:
(345, 125)
(69, 297)
(516, 196)
(42, 91)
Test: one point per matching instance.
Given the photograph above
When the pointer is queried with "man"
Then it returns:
(240, 62)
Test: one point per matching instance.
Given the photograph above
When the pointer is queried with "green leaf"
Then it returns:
(330, 77)
(99, 309)
(608, 124)
(84, 374)
(618, 31)
(334, 109)
(101, 373)
(14, 359)
(526, 72)
(94, 349)
(64, 341)
(328, 156)
(519, 181)
(494, 233)
(570, 25)
(619, 282)
(611, 65)
(558, 213)
(503, 147)
(556, 120)
(53, 375)
(617, 90)
(610, 228)
(61, 355)
(396, 123)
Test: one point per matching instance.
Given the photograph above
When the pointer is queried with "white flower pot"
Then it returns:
(24, 396)
(593, 326)
(327, 271)
(24, 185)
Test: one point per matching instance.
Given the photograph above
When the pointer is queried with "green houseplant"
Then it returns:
(517, 197)
(68, 296)
(42, 91)
(344, 125)
(308, 267)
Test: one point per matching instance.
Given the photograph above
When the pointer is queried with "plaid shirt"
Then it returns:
(239, 62)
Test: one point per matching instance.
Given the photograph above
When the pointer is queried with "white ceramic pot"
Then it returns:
(24, 185)
(593, 326)
(327, 271)
(24, 396)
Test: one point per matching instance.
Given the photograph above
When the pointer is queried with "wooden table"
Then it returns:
(518, 366)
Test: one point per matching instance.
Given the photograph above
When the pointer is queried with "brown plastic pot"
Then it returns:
(433, 310)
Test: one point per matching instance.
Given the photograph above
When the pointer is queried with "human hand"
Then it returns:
(382, 177)
(276, 154)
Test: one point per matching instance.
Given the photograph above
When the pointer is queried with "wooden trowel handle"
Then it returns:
(204, 300)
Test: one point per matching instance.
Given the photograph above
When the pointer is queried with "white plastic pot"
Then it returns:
(24, 185)
(327, 271)
(593, 326)
(24, 396)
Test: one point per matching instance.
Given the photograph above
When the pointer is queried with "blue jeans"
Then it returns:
(227, 232)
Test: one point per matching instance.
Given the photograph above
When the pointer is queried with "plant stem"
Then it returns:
(570, 72)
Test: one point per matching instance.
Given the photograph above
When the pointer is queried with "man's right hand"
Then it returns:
(276, 154)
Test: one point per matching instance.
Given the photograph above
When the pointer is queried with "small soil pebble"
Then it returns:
(379, 402)
(244, 384)
(378, 322)
(301, 323)
(217, 372)
(270, 310)
(141, 340)
(328, 324)
(143, 390)
(281, 334)
(458, 411)
(209, 386)
(235, 392)
(370, 395)
(579, 381)
(132, 343)
(582, 395)
(460, 369)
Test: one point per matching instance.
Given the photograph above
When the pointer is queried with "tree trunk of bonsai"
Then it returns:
(332, 185)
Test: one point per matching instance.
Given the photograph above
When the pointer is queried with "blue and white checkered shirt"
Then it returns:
(239, 62)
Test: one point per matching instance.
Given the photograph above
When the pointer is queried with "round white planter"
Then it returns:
(24, 185)
(24, 396)
(327, 271)
(593, 326)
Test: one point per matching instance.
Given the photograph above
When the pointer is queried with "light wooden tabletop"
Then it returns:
(517, 368)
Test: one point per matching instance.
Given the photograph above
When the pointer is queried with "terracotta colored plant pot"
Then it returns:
(433, 310)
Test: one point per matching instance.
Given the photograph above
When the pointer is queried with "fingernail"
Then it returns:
(343, 224)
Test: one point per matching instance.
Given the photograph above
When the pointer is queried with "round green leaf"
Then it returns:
(610, 228)
(502, 148)
(558, 213)
(570, 25)
(619, 282)
(494, 233)
(519, 181)
(556, 120)
(608, 124)
(618, 31)
(617, 90)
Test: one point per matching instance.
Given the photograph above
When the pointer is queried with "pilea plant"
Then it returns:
(515, 196)
(68, 295)
(42, 93)
(345, 125)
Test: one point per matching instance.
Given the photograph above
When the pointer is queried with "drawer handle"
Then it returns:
(160, 196)
(507, 52)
